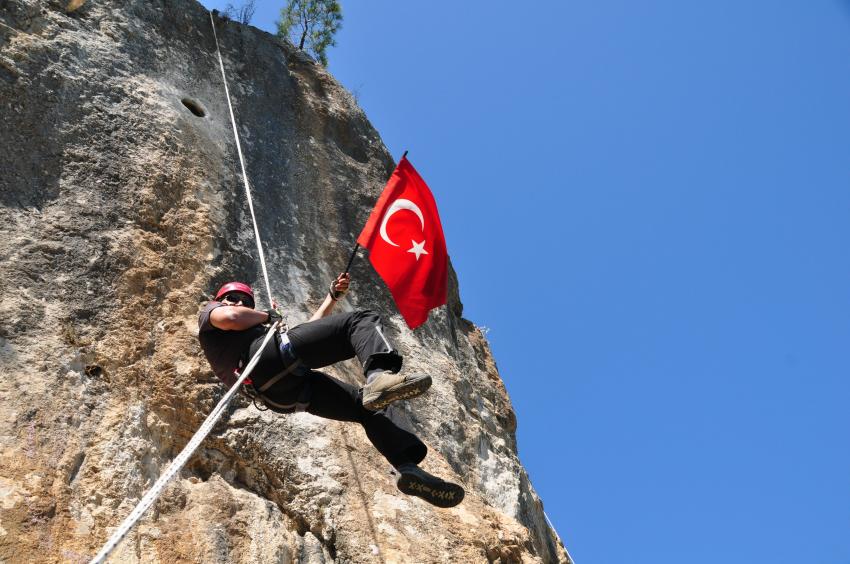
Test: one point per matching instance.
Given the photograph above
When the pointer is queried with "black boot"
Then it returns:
(413, 480)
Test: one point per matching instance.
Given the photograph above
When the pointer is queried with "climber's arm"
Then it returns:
(236, 318)
(338, 289)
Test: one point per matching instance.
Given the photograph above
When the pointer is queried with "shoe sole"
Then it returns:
(437, 492)
(405, 390)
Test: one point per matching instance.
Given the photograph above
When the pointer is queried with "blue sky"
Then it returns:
(647, 204)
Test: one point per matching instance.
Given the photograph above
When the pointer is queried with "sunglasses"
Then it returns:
(237, 297)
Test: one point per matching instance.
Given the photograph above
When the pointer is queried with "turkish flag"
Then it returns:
(406, 244)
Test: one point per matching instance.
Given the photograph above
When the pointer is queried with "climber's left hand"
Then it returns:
(339, 287)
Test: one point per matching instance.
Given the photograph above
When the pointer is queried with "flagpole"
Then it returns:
(357, 245)
(351, 258)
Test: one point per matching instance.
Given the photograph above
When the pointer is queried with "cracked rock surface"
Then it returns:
(120, 210)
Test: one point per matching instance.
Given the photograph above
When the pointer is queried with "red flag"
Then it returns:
(406, 245)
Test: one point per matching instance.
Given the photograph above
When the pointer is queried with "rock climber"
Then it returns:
(286, 380)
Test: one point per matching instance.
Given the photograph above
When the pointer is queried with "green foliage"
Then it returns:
(311, 25)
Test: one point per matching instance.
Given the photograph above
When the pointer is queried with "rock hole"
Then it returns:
(194, 106)
(93, 370)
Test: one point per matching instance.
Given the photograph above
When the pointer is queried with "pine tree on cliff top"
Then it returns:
(311, 25)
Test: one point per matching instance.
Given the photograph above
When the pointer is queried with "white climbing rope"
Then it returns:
(181, 459)
(551, 526)
(151, 496)
(242, 163)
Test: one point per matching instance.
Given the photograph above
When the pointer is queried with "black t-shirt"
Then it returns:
(223, 349)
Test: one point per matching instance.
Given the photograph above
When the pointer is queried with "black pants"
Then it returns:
(342, 336)
(332, 339)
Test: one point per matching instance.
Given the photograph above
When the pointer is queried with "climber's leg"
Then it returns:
(333, 399)
(342, 336)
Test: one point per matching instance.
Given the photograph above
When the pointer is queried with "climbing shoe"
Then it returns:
(387, 387)
(413, 480)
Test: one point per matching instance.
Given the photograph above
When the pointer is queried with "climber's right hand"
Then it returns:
(274, 315)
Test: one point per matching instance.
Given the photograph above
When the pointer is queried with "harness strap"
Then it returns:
(276, 378)
(300, 404)
(297, 406)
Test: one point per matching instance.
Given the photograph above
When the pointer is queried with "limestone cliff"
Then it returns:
(121, 210)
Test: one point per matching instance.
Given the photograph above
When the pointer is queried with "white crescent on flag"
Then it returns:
(398, 205)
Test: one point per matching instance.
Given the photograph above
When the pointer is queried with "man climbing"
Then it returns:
(286, 380)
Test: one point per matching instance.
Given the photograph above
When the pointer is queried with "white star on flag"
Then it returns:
(417, 249)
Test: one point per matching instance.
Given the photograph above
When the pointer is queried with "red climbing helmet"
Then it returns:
(234, 287)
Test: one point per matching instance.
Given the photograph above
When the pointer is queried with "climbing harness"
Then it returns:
(216, 413)
(272, 356)
(300, 404)
(277, 378)
(254, 397)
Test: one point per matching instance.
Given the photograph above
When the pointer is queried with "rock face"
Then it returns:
(121, 210)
